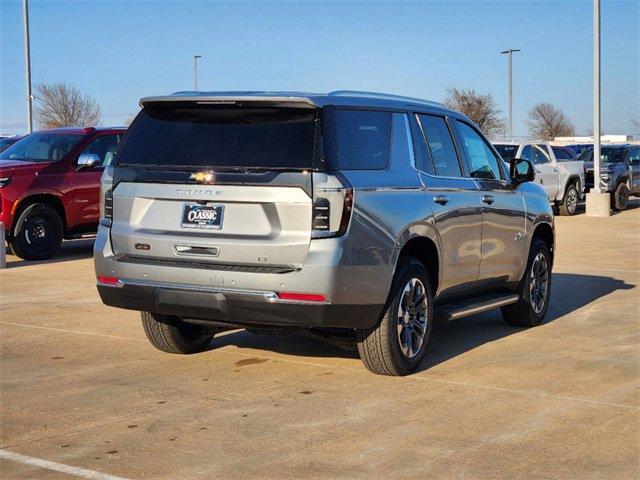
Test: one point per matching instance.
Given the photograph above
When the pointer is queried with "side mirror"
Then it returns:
(521, 171)
(88, 160)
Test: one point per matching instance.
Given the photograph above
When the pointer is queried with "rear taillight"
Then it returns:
(332, 205)
(109, 281)
(106, 197)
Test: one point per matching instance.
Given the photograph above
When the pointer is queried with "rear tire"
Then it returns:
(170, 334)
(398, 343)
(620, 198)
(569, 204)
(37, 234)
(530, 309)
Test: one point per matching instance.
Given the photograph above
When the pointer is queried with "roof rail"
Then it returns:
(382, 96)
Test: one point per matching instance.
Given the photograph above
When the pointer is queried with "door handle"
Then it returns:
(488, 199)
(441, 199)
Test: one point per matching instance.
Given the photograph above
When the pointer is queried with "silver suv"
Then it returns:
(346, 213)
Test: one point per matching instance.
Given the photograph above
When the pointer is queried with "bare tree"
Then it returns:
(546, 122)
(482, 109)
(63, 105)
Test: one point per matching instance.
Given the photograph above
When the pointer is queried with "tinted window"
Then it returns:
(420, 148)
(364, 139)
(483, 162)
(222, 137)
(42, 147)
(103, 147)
(613, 154)
(527, 153)
(540, 155)
(562, 153)
(634, 155)
(507, 152)
(440, 146)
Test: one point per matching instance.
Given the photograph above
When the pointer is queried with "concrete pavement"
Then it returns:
(80, 386)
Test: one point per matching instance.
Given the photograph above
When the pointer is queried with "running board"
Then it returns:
(453, 311)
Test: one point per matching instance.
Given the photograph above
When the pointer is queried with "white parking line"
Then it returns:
(58, 467)
(64, 330)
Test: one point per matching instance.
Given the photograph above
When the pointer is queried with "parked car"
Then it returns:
(580, 147)
(562, 180)
(564, 154)
(619, 173)
(6, 142)
(349, 212)
(49, 185)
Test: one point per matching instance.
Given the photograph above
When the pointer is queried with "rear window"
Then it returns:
(364, 139)
(212, 136)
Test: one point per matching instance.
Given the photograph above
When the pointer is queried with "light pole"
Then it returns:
(27, 63)
(510, 53)
(195, 71)
(598, 202)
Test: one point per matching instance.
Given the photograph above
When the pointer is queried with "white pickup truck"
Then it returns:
(562, 180)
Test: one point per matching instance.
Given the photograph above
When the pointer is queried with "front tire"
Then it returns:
(534, 289)
(620, 198)
(569, 205)
(38, 232)
(398, 343)
(170, 334)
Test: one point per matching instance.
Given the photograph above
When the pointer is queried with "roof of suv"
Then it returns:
(299, 99)
(80, 130)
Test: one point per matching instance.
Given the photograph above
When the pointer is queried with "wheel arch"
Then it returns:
(425, 250)
(573, 178)
(545, 232)
(50, 199)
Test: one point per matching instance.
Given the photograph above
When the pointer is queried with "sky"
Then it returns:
(120, 51)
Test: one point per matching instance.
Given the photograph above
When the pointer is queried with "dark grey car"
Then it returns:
(346, 213)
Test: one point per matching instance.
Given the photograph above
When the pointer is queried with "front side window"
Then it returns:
(42, 147)
(103, 147)
(634, 155)
(527, 153)
(483, 162)
(364, 139)
(440, 146)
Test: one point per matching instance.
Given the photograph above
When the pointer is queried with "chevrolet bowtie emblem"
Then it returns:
(202, 177)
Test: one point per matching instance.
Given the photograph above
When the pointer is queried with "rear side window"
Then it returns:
(507, 152)
(440, 146)
(562, 154)
(240, 137)
(363, 138)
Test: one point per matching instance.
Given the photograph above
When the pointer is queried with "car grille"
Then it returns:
(588, 179)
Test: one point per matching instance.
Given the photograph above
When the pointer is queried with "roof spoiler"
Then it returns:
(241, 100)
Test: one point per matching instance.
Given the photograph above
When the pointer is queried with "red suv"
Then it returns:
(49, 187)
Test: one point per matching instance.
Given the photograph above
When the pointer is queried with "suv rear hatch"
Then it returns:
(227, 185)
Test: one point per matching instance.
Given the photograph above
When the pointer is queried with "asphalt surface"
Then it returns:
(81, 386)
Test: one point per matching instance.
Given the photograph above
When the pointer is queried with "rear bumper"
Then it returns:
(355, 293)
(236, 307)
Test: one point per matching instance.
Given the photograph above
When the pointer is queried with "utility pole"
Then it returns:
(195, 71)
(510, 53)
(598, 202)
(27, 63)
